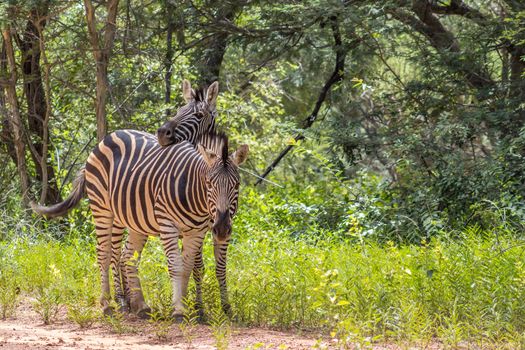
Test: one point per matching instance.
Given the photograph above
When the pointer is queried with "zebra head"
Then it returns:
(222, 182)
(193, 119)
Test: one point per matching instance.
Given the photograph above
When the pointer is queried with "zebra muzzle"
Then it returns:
(165, 136)
(222, 227)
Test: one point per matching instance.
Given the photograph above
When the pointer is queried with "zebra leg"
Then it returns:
(180, 266)
(116, 266)
(135, 243)
(191, 249)
(124, 281)
(219, 250)
(170, 241)
(198, 273)
(104, 228)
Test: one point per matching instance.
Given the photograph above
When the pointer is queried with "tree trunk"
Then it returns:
(38, 103)
(6, 134)
(208, 61)
(101, 54)
(168, 63)
(15, 119)
(517, 88)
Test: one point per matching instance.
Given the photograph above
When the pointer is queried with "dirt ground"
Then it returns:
(27, 331)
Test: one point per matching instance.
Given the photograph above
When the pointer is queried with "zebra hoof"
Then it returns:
(108, 311)
(227, 310)
(123, 306)
(178, 319)
(201, 317)
(144, 313)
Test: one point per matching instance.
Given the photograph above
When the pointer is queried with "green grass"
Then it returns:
(467, 290)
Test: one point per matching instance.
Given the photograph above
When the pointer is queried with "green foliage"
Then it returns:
(189, 321)
(117, 324)
(370, 291)
(48, 301)
(357, 293)
(221, 328)
(82, 302)
(435, 147)
(9, 282)
(161, 325)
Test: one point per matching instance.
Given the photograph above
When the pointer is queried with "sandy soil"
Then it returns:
(27, 331)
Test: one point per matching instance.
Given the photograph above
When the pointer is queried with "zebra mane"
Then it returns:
(200, 94)
(216, 142)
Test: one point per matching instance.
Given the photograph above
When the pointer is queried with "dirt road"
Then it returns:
(27, 331)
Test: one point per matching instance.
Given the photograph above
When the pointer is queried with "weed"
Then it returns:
(189, 322)
(161, 325)
(82, 314)
(117, 323)
(9, 292)
(82, 305)
(47, 303)
(221, 328)
(470, 289)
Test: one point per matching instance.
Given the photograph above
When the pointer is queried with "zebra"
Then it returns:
(187, 124)
(174, 192)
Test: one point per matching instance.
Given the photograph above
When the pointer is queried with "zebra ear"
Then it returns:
(208, 156)
(213, 92)
(240, 155)
(187, 91)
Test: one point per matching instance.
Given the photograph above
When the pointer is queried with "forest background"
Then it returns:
(395, 128)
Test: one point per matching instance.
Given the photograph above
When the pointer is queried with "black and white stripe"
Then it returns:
(194, 119)
(175, 192)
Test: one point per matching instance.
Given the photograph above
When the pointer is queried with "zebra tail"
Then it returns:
(60, 209)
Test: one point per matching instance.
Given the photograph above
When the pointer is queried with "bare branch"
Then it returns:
(15, 118)
(458, 7)
(337, 75)
(428, 24)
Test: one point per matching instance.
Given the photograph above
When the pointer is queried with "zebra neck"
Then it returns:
(201, 136)
(185, 189)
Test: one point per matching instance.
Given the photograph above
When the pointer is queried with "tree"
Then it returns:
(15, 120)
(39, 110)
(101, 53)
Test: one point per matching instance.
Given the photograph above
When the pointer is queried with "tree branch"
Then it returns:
(101, 55)
(429, 25)
(45, 138)
(16, 120)
(336, 77)
(458, 7)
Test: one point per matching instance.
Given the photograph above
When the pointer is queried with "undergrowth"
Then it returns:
(469, 289)
(287, 271)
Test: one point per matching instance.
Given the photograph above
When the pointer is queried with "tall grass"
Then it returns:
(456, 290)
(467, 289)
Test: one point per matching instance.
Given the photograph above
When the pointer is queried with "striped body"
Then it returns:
(133, 182)
(174, 192)
(129, 175)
